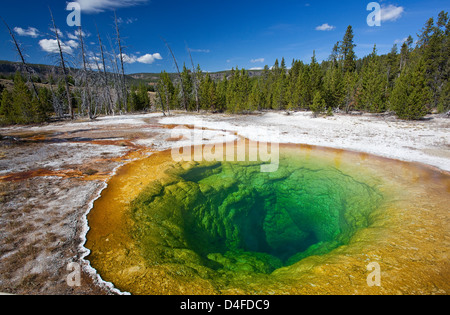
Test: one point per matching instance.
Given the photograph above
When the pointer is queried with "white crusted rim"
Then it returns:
(86, 265)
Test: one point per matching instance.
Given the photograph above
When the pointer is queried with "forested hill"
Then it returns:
(43, 72)
(8, 69)
(216, 76)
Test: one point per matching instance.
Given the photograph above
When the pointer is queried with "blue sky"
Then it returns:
(221, 34)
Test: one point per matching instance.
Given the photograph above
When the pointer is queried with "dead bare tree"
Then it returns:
(59, 111)
(119, 43)
(116, 77)
(25, 65)
(63, 66)
(105, 74)
(85, 78)
(160, 99)
(195, 80)
(179, 74)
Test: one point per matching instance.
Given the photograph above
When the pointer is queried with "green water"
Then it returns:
(231, 218)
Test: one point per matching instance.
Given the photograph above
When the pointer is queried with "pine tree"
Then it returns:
(405, 53)
(304, 84)
(133, 100)
(335, 54)
(143, 97)
(293, 96)
(425, 35)
(22, 102)
(6, 110)
(436, 58)
(243, 90)
(188, 88)
(318, 105)
(330, 112)
(283, 65)
(350, 90)
(333, 86)
(315, 79)
(42, 105)
(208, 93)
(222, 87)
(255, 97)
(372, 96)
(232, 91)
(411, 93)
(46, 98)
(444, 100)
(139, 99)
(167, 91)
(392, 65)
(348, 52)
(279, 87)
(276, 68)
(265, 88)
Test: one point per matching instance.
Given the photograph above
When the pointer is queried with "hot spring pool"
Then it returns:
(311, 227)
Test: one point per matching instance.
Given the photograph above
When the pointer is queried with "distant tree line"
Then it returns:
(410, 81)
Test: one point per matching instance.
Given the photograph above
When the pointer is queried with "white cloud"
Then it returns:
(391, 13)
(146, 59)
(400, 41)
(60, 34)
(206, 51)
(51, 46)
(72, 43)
(259, 60)
(76, 35)
(149, 58)
(325, 27)
(128, 59)
(30, 31)
(95, 63)
(126, 21)
(256, 68)
(97, 6)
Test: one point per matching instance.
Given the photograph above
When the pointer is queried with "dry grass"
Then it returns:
(6, 191)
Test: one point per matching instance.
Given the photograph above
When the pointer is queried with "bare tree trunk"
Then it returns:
(105, 74)
(63, 65)
(119, 43)
(85, 77)
(195, 81)
(179, 74)
(161, 100)
(19, 51)
(117, 82)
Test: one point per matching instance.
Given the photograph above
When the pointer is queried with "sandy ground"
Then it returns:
(50, 175)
